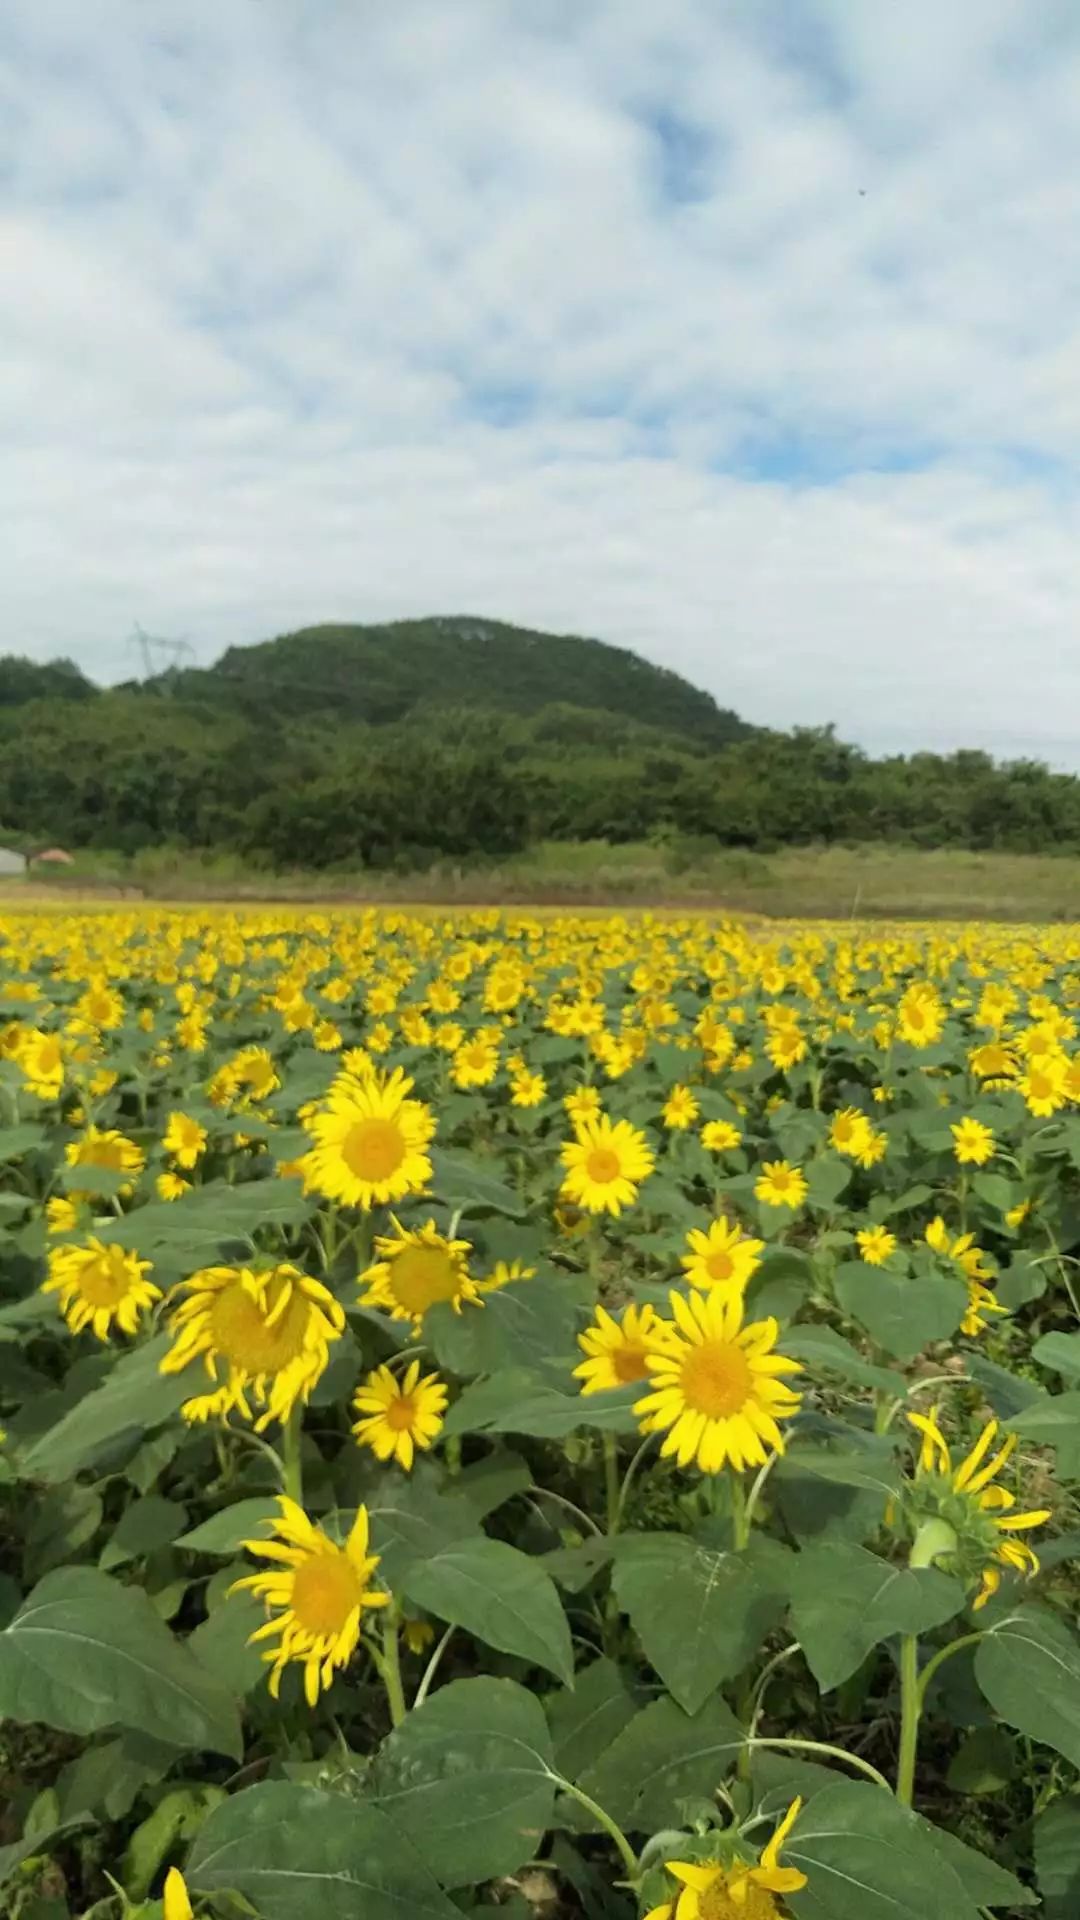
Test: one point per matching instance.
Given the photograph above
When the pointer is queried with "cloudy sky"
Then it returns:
(742, 332)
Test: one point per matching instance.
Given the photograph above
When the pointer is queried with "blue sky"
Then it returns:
(747, 335)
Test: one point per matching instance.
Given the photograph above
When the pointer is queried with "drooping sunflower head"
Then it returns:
(416, 1268)
(105, 1148)
(100, 1287)
(968, 1502)
(617, 1351)
(370, 1141)
(263, 1336)
(718, 1386)
(605, 1165)
(399, 1419)
(734, 1888)
(316, 1593)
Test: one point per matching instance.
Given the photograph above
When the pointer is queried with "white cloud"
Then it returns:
(743, 336)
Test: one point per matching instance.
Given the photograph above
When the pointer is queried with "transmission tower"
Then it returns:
(149, 644)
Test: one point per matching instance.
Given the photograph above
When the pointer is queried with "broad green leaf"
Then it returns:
(143, 1527)
(175, 1820)
(845, 1601)
(225, 1532)
(501, 1596)
(779, 1286)
(574, 1567)
(208, 1216)
(585, 1720)
(103, 1181)
(866, 1857)
(1007, 1393)
(824, 1351)
(826, 1180)
(468, 1774)
(1057, 1857)
(489, 1483)
(15, 1141)
(62, 1519)
(1059, 1351)
(901, 1313)
(1054, 1421)
(297, 1853)
(222, 1642)
(84, 1653)
(1028, 1666)
(413, 1521)
(469, 1184)
(134, 1399)
(524, 1325)
(986, 1762)
(106, 1779)
(33, 1844)
(700, 1615)
(514, 1400)
(662, 1757)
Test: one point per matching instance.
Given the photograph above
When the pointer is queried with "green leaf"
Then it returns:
(31, 1845)
(662, 1757)
(176, 1819)
(468, 1774)
(222, 1643)
(1059, 1351)
(846, 1600)
(413, 1521)
(297, 1853)
(1007, 1393)
(1057, 1857)
(106, 1181)
(62, 1520)
(513, 1400)
(700, 1615)
(524, 1325)
(84, 1653)
(866, 1857)
(462, 1182)
(143, 1527)
(984, 1763)
(901, 1313)
(135, 1398)
(225, 1532)
(15, 1141)
(1054, 1421)
(1028, 1666)
(826, 1179)
(824, 1351)
(489, 1483)
(208, 1216)
(779, 1286)
(585, 1720)
(106, 1779)
(501, 1596)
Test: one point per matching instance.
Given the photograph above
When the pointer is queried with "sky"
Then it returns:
(744, 333)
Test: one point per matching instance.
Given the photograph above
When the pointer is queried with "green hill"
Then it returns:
(382, 674)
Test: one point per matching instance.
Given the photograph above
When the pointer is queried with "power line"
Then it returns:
(149, 644)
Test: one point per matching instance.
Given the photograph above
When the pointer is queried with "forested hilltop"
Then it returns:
(459, 737)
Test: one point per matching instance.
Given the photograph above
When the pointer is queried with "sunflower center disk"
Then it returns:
(238, 1330)
(716, 1379)
(401, 1413)
(629, 1363)
(421, 1276)
(373, 1149)
(719, 1266)
(105, 1283)
(602, 1165)
(325, 1591)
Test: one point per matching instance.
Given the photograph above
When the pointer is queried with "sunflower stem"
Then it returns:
(292, 1470)
(822, 1746)
(741, 1514)
(611, 1828)
(940, 1657)
(910, 1715)
(612, 1483)
(390, 1668)
(628, 1477)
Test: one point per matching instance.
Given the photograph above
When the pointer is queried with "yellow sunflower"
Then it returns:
(743, 1890)
(175, 1900)
(717, 1386)
(978, 1511)
(264, 1339)
(505, 1273)
(416, 1268)
(317, 1594)
(371, 1141)
(617, 1351)
(680, 1109)
(99, 1286)
(719, 1136)
(396, 1421)
(184, 1139)
(605, 1165)
(721, 1256)
(111, 1151)
(781, 1185)
(41, 1058)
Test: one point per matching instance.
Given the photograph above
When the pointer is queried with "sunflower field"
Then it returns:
(537, 1416)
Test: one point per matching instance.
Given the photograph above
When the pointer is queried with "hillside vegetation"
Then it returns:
(393, 747)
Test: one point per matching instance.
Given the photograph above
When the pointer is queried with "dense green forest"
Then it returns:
(397, 745)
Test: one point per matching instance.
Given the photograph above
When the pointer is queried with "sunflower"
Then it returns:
(504, 1274)
(716, 1385)
(618, 1351)
(583, 1104)
(316, 1594)
(875, 1245)
(719, 1136)
(740, 1890)
(41, 1058)
(99, 1285)
(185, 1139)
(721, 1256)
(781, 1185)
(171, 1186)
(973, 1143)
(397, 1421)
(849, 1131)
(263, 1337)
(605, 1164)
(370, 1141)
(978, 1511)
(107, 1150)
(175, 1900)
(680, 1109)
(416, 1268)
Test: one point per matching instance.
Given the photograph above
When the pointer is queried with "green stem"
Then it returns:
(614, 1832)
(612, 1482)
(628, 1477)
(821, 1746)
(939, 1659)
(391, 1667)
(755, 1493)
(910, 1714)
(292, 1465)
(741, 1514)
